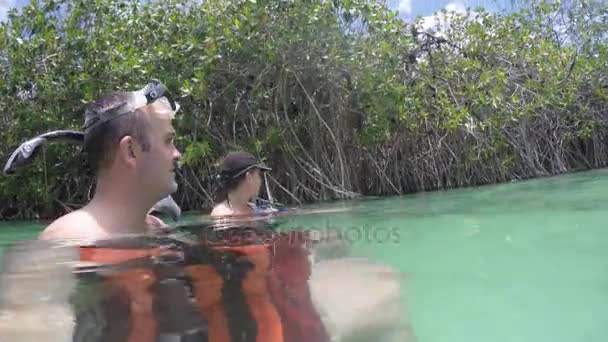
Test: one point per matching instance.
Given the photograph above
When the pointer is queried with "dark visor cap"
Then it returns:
(237, 163)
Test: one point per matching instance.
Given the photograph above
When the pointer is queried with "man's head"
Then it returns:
(130, 134)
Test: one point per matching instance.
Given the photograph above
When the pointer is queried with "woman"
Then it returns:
(241, 179)
(270, 301)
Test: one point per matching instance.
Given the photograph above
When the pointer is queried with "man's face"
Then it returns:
(157, 167)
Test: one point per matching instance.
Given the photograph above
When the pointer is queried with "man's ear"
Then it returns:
(128, 150)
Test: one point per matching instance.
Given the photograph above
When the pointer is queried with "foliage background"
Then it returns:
(340, 97)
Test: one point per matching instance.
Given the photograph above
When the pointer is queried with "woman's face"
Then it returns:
(253, 182)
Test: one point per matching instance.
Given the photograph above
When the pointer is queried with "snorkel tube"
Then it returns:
(270, 198)
(269, 204)
(26, 152)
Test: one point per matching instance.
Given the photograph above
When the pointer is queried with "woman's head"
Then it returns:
(243, 172)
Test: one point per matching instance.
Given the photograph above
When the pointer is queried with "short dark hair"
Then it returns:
(101, 140)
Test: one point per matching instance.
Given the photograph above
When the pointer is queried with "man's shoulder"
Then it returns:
(76, 225)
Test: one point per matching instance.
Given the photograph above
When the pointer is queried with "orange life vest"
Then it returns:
(248, 292)
(271, 301)
(128, 289)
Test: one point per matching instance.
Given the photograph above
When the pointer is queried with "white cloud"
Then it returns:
(457, 7)
(5, 6)
(437, 21)
(405, 7)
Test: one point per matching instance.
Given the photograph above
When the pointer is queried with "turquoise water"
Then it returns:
(522, 261)
(15, 231)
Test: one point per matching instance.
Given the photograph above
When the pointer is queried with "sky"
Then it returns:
(408, 9)
(5, 5)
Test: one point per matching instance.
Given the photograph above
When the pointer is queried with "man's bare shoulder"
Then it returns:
(78, 224)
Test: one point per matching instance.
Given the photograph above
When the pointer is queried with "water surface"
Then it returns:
(523, 261)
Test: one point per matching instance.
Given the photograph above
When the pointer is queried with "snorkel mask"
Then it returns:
(27, 151)
(152, 92)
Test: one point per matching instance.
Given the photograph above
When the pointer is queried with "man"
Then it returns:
(129, 140)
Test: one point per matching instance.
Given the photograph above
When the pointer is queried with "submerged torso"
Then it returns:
(253, 291)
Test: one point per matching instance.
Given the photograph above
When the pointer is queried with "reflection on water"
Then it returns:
(239, 282)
